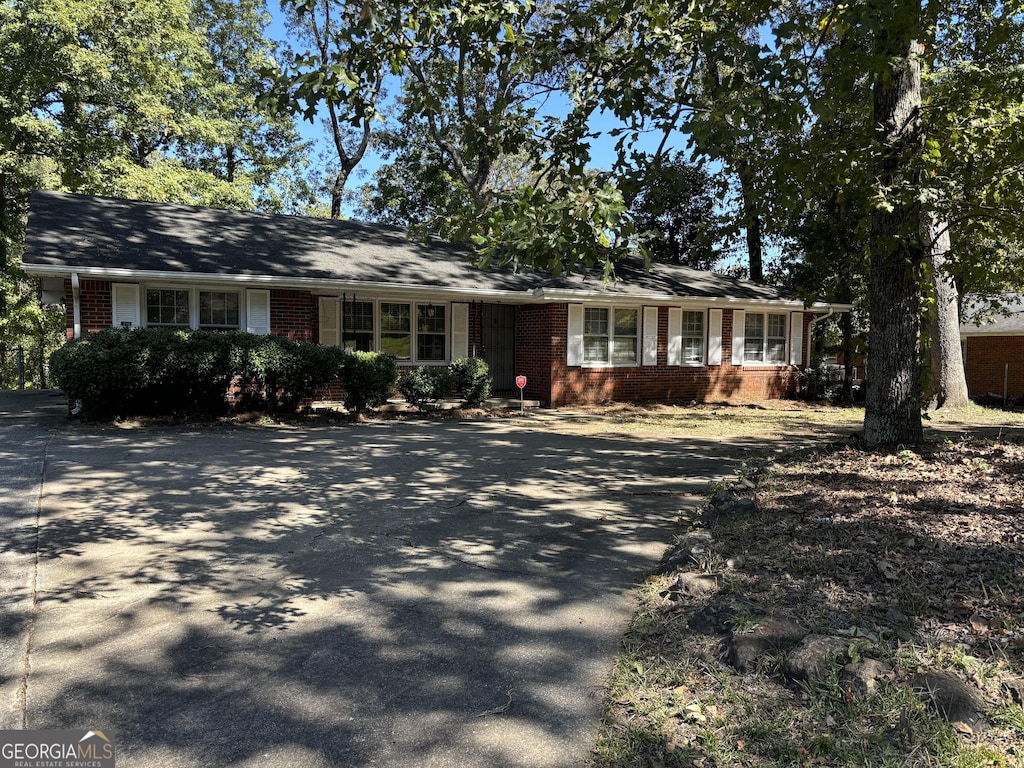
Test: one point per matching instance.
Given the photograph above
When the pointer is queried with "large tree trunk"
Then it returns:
(751, 222)
(947, 383)
(892, 413)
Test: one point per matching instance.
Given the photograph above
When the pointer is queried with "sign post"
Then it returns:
(521, 383)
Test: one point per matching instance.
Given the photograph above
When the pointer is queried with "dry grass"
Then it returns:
(922, 553)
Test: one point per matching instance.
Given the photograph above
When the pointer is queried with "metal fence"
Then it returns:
(12, 368)
(21, 368)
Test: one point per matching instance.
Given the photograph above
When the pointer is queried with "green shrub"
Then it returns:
(820, 382)
(185, 372)
(105, 371)
(277, 374)
(425, 385)
(471, 380)
(369, 379)
(163, 371)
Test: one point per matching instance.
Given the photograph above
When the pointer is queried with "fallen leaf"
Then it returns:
(887, 569)
(962, 727)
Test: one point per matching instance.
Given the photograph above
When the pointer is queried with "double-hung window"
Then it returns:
(219, 309)
(610, 336)
(764, 339)
(693, 338)
(173, 308)
(357, 325)
(396, 330)
(167, 307)
(412, 332)
(430, 333)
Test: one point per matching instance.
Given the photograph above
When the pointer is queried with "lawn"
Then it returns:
(908, 563)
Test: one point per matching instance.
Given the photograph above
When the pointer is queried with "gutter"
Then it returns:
(318, 284)
(814, 322)
(328, 286)
(76, 293)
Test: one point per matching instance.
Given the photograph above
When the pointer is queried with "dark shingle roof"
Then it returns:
(75, 232)
(981, 320)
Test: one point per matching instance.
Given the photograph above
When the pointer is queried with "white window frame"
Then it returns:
(450, 333)
(609, 359)
(700, 335)
(192, 309)
(213, 326)
(762, 358)
(380, 331)
(194, 292)
(344, 337)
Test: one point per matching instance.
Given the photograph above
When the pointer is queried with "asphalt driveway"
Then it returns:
(383, 594)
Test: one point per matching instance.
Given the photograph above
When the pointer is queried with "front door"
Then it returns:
(498, 339)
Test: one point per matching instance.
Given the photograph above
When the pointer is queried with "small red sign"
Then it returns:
(520, 381)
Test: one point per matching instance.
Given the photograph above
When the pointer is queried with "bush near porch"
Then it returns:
(173, 372)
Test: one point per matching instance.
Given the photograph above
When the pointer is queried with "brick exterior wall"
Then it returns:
(97, 306)
(476, 325)
(993, 362)
(294, 315)
(541, 347)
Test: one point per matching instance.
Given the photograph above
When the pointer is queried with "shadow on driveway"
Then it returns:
(392, 594)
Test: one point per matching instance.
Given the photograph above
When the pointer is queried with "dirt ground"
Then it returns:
(915, 557)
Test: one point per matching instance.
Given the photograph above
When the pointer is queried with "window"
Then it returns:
(777, 339)
(610, 335)
(624, 342)
(167, 307)
(357, 325)
(753, 338)
(430, 333)
(409, 332)
(595, 335)
(693, 337)
(395, 330)
(218, 309)
(764, 338)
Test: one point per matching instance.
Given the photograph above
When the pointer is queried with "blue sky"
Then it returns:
(602, 148)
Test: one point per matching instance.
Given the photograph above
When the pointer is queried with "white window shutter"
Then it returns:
(330, 321)
(460, 331)
(738, 331)
(796, 338)
(650, 352)
(257, 312)
(125, 299)
(675, 336)
(715, 337)
(574, 350)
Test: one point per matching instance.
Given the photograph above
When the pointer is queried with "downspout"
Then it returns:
(76, 307)
(810, 331)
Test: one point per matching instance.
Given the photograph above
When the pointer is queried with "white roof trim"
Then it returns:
(327, 286)
(318, 284)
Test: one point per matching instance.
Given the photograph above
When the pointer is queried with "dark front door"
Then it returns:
(498, 338)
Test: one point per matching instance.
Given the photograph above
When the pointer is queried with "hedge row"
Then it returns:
(467, 378)
(160, 371)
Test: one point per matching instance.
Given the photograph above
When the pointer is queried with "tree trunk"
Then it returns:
(892, 413)
(337, 192)
(947, 382)
(751, 223)
(230, 164)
